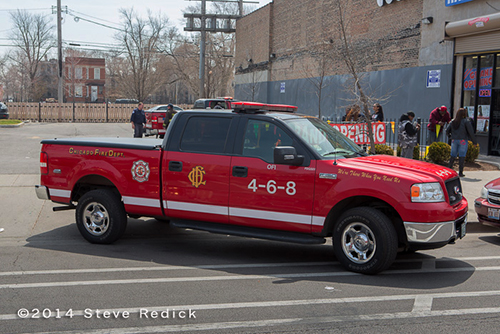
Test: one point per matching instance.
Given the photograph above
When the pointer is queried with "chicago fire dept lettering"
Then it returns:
(196, 176)
(140, 171)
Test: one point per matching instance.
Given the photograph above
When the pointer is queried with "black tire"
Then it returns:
(100, 216)
(365, 241)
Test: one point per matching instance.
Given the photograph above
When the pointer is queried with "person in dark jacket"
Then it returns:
(138, 119)
(378, 113)
(439, 116)
(407, 134)
(168, 117)
(459, 132)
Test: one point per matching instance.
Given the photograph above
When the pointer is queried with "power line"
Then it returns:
(96, 18)
(77, 18)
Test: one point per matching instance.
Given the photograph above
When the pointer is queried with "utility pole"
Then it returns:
(202, 47)
(60, 95)
(227, 28)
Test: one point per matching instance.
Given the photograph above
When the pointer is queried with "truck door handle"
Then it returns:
(240, 171)
(175, 166)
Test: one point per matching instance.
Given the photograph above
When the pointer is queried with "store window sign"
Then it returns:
(455, 2)
(485, 78)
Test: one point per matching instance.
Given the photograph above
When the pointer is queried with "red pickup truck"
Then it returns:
(154, 120)
(260, 171)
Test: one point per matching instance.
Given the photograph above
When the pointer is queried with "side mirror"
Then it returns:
(287, 155)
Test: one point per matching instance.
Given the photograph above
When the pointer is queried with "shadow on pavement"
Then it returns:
(154, 242)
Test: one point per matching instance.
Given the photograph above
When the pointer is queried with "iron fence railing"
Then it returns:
(423, 138)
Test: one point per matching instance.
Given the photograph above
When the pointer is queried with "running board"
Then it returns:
(252, 232)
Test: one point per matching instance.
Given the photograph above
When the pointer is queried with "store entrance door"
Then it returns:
(495, 123)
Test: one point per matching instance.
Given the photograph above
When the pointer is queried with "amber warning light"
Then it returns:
(255, 106)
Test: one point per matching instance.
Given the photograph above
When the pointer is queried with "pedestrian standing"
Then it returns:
(138, 120)
(378, 113)
(168, 117)
(460, 131)
(407, 134)
(438, 117)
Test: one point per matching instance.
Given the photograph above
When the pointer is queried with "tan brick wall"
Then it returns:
(253, 33)
(382, 38)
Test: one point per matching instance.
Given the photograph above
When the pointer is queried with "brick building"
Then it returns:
(84, 79)
(411, 55)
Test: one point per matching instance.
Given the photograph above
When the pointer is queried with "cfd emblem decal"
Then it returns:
(140, 171)
(196, 176)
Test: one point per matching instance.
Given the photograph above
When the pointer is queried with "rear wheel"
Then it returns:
(365, 241)
(100, 216)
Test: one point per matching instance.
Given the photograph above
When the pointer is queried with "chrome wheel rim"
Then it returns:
(96, 219)
(358, 243)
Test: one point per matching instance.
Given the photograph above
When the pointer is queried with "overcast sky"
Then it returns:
(104, 12)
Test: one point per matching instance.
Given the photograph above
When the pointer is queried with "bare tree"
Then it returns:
(74, 74)
(33, 39)
(317, 69)
(350, 62)
(141, 41)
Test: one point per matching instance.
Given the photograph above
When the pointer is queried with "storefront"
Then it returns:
(477, 75)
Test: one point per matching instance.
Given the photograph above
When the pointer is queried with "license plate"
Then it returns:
(463, 230)
(493, 213)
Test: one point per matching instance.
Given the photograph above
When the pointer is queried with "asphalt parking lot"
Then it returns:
(226, 283)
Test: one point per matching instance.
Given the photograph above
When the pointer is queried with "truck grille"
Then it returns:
(454, 189)
(494, 197)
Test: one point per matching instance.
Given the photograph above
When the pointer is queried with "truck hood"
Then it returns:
(403, 168)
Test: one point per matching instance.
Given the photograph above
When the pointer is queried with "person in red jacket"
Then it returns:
(439, 116)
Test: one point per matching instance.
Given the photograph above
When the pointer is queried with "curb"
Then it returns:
(11, 125)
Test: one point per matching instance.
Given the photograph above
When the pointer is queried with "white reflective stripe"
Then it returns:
(193, 207)
(140, 201)
(318, 221)
(245, 213)
(270, 215)
(60, 193)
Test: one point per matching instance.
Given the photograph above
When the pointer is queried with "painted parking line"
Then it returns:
(137, 281)
(422, 308)
(428, 264)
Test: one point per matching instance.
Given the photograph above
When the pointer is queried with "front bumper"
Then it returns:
(485, 212)
(435, 233)
(42, 192)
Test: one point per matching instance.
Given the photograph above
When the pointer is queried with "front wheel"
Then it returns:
(365, 241)
(100, 216)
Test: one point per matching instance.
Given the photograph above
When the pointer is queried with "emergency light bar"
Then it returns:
(252, 107)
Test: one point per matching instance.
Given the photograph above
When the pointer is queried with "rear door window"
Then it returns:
(205, 134)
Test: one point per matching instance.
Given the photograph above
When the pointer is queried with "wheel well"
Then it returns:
(366, 201)
(91, 182)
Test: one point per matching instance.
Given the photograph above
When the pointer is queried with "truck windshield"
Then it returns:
(324, 139)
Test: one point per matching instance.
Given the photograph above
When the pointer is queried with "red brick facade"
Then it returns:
(84, 79)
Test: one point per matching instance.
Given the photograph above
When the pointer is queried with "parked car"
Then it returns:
(487, 206)
(4, 111)
(215, 103)
(126, 101)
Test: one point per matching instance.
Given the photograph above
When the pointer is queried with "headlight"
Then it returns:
(427, 192)
(484, 193)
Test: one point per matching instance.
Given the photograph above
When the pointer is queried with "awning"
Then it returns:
(477, 25)
(479, 34)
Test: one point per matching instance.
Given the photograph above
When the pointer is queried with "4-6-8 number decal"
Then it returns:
(272, 187)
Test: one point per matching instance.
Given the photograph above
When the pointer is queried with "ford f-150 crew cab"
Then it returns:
(259, 171)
